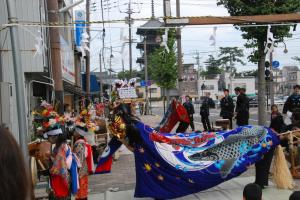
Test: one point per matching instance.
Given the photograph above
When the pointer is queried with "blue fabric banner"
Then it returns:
(170, 166)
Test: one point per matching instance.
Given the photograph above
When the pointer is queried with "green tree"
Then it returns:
(162, 64)
(212, 67)
(256, 36)
(228, 56)
(135, 73)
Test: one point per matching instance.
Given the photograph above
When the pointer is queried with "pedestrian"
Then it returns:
(80, 150)
(15, 182)
(204, 111)
(295, 196)
(188, 105)
(293, 101)
(252, 191)
(277, 121)
(242, 107)
(227, 107)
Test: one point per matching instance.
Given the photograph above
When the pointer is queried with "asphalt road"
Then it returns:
(215, 114)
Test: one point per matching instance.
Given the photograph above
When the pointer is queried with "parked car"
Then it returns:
(279, 101)
(253, 102)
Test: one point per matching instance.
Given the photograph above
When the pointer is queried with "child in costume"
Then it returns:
(63, 171)
(81, 152)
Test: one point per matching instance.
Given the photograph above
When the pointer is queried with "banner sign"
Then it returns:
(79, 26)
(127, 93)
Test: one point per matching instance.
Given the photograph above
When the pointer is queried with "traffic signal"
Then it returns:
(267, 71)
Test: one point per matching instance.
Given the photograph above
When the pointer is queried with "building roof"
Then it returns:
(148, 27)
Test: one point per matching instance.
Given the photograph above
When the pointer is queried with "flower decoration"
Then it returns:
(84, 120)
(45, 118)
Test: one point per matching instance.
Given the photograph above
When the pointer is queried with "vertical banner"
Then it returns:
(79, 26)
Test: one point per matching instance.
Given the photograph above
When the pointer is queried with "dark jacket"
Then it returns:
(292, 103)
(242, 106)
(189, 107)
(206, 104)
(227, 107)
(277, 122)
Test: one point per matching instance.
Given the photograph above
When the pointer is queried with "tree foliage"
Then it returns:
(212, 67)
(256, 36)
(230, 54)
(162, 64)
(135, 73)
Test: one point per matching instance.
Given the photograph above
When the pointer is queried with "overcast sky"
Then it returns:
(194, 38)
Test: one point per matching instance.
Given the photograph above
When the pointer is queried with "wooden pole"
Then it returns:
(210, 20)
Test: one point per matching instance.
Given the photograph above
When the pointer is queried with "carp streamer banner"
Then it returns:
(170, 166)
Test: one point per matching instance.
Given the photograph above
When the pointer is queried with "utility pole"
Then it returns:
(198, 63)
(18, 76)
(179, 50)
(55, 54)
(103, 35)
(271, 83)
(146, 75)
(100, 77)
(110, 67)
(130, 39)
(87, 59)
(129, 21)
(230, 75)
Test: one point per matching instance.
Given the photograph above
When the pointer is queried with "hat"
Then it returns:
(47, 120)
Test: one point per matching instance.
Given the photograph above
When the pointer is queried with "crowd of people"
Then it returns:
(229, 111)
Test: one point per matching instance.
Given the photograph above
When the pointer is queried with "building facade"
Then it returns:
(216, 86)
(189, 82)
(36, 60)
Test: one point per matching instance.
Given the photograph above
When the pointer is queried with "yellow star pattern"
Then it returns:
(147, 167)
(157, 165)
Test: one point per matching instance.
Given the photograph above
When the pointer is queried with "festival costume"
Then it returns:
(63, 175)
(59, 174)
(81, 152)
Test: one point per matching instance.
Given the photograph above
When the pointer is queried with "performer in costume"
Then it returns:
(61, 158)
(81, 152)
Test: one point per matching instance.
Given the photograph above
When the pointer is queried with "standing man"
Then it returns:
(242, 107)
(293, 102)
(204, 111)
(227, 107)
(190, 110)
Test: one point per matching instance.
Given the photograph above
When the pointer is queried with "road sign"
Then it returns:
(275, 64)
